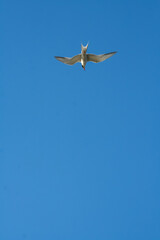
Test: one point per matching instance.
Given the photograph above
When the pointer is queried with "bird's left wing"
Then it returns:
(99, 58)
(69, 61)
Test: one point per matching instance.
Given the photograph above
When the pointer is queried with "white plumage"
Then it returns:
(83, 58)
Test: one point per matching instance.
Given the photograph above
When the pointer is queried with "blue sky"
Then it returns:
(80, 150)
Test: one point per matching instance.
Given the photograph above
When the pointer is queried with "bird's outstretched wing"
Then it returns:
(69, 61)
(99, 58)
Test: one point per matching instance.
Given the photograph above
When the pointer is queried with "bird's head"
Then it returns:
(83, 67)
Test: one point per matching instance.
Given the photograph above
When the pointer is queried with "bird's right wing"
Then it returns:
(70, 61)
(99, 58)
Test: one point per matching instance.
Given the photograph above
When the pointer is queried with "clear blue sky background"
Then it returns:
(80, 150)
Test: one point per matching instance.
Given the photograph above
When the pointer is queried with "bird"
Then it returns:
(84, 57)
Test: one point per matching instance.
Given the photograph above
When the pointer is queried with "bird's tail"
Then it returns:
(84, 48)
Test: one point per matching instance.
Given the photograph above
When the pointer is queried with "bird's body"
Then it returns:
(83, 55)
(83, 58)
